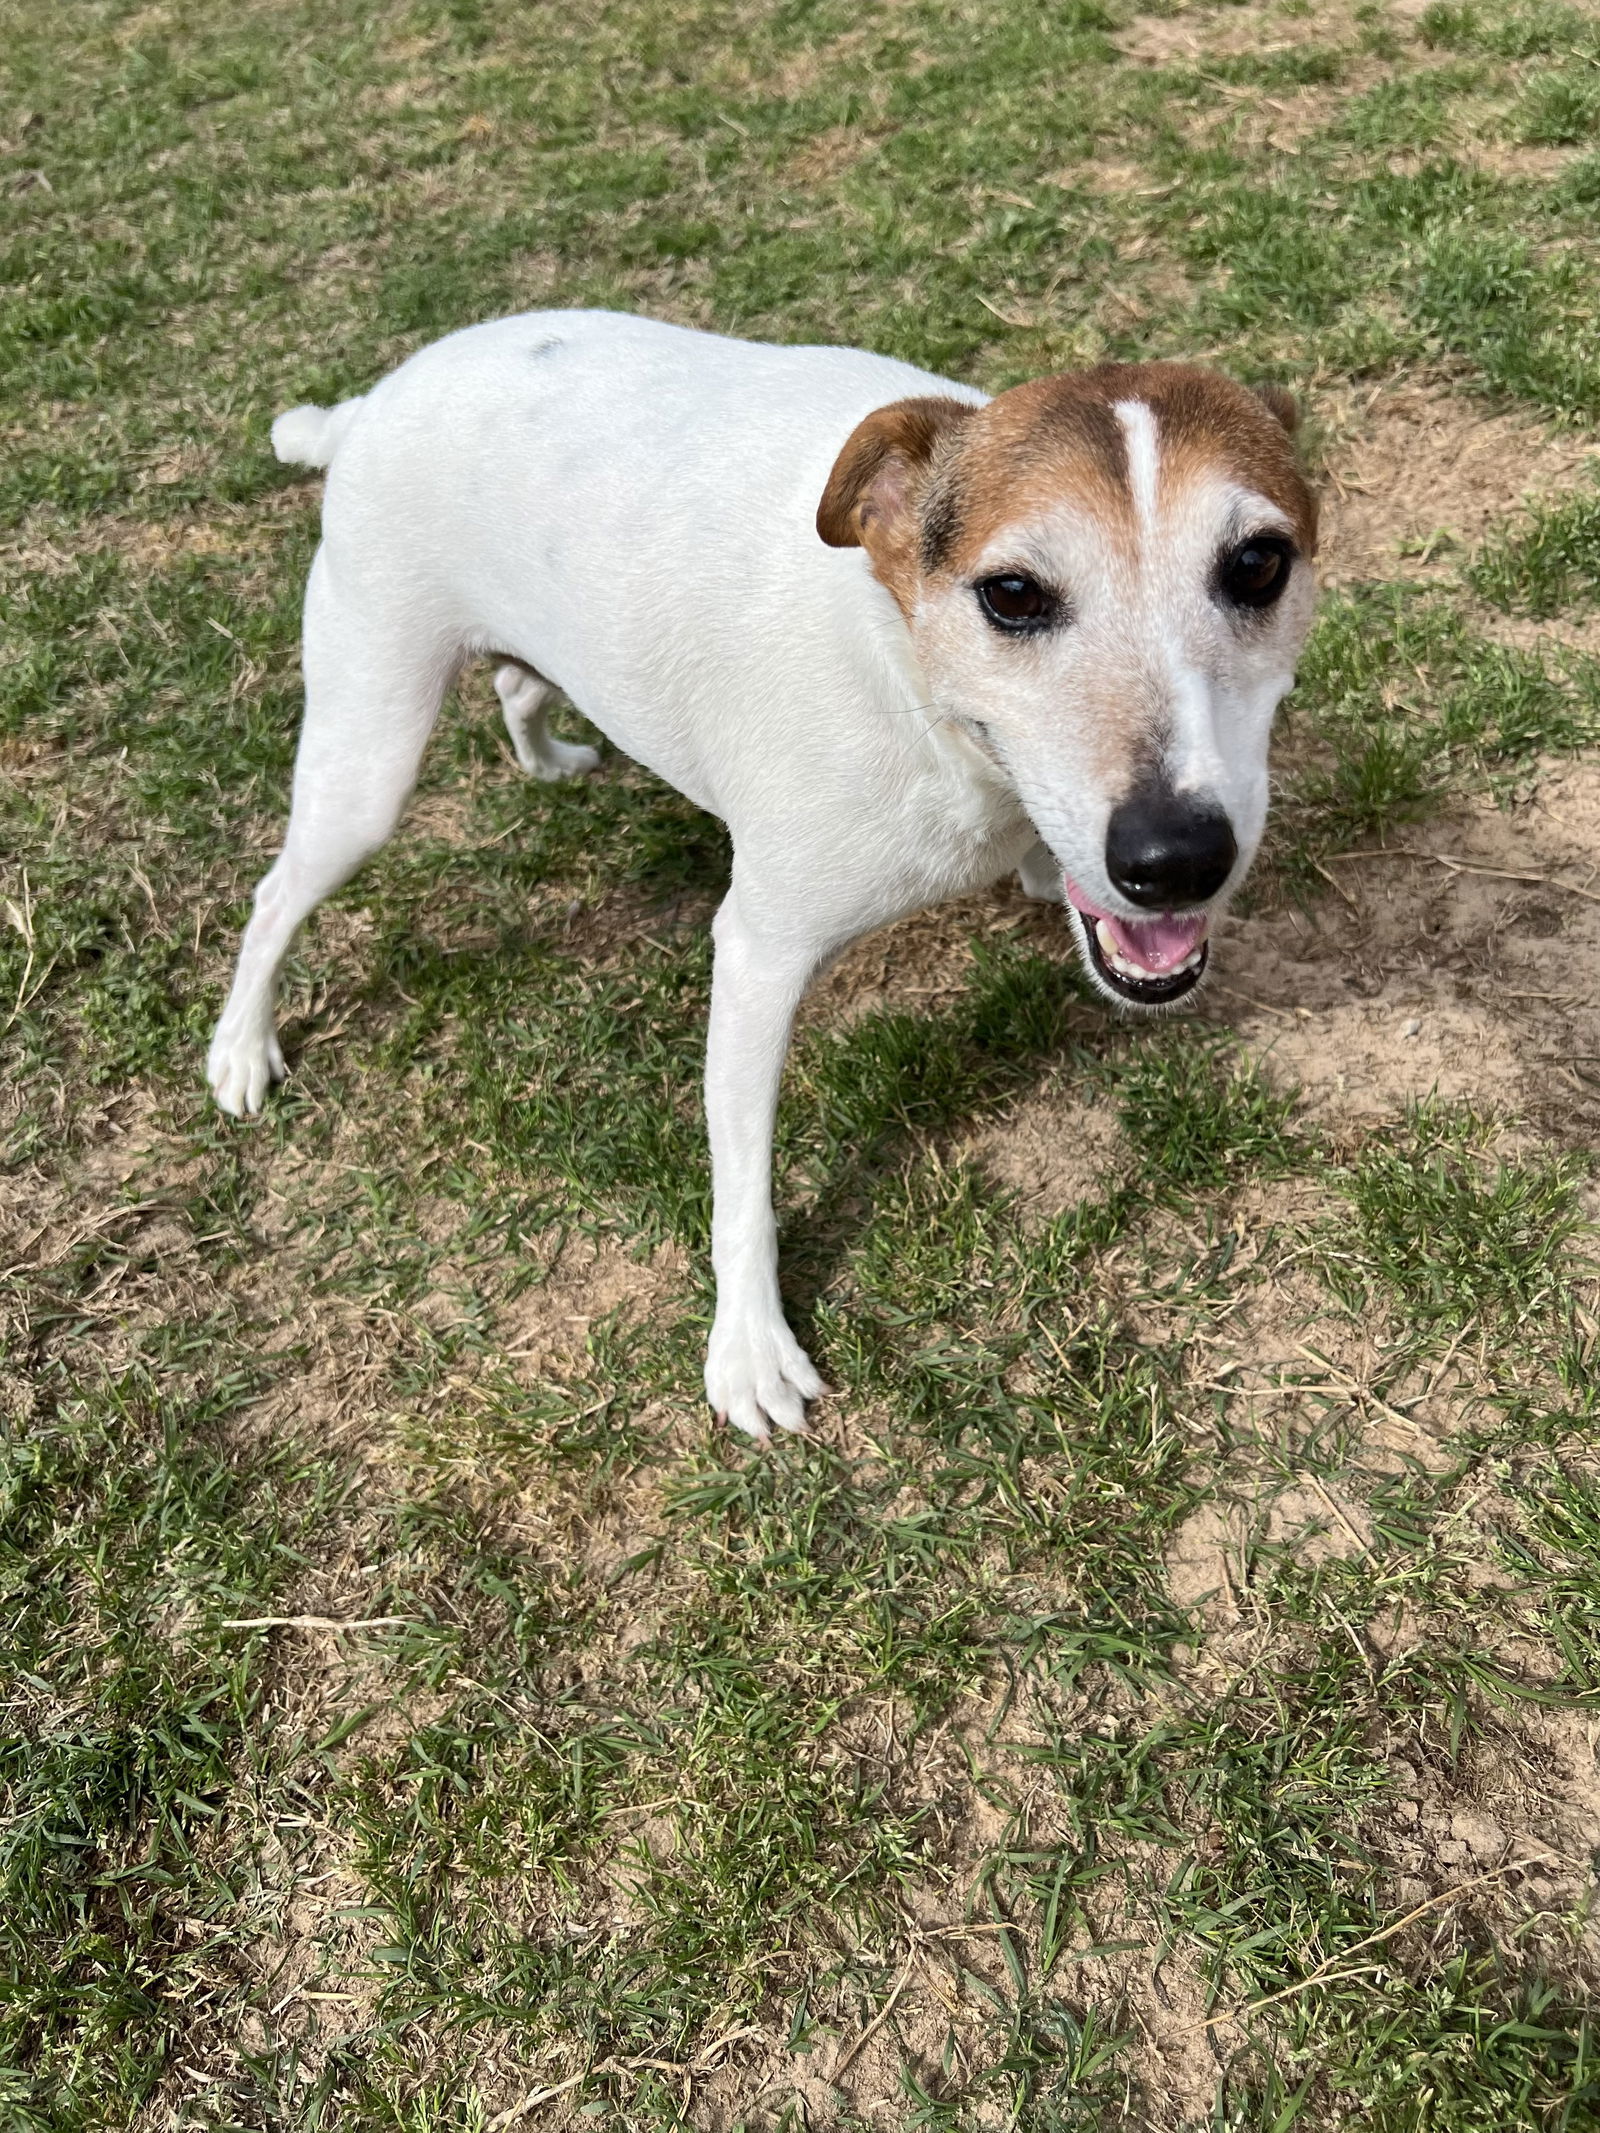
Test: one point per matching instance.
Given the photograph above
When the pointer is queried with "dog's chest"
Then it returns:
(952, 822)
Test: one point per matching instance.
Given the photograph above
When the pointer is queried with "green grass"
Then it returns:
(1458, 1241)
(1065, 1734)
(1546, 566)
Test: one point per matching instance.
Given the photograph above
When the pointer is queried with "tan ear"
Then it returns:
(872, 494)
(1282, 404)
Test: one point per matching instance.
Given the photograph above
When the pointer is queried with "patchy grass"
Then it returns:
(1159, 1693)
(1548, 565)
(1457, 1241)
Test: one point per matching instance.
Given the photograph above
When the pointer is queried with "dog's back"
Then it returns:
(516, 484)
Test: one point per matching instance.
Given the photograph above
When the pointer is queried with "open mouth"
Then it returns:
(1147, 961)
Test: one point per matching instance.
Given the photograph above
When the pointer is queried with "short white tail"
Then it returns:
(309, 436)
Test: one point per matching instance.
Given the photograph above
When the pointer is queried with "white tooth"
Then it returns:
(1107, 939)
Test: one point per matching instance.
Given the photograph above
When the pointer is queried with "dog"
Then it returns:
(903, 638)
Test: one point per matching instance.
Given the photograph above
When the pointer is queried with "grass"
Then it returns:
(1457, 1241)
(1106, 1718)
(1546, 566)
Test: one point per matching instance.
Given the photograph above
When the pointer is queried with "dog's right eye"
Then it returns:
(1016, 603)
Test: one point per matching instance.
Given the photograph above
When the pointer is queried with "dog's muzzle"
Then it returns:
(1148, 962)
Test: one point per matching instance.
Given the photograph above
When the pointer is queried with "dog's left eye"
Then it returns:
(1016, 603)
(1256, 572)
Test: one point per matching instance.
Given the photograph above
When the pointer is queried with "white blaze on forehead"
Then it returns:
(1212, 735)
(1143, 444)
(1191, 756)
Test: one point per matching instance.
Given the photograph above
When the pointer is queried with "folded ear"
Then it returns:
(877, 480)
(1280, 403)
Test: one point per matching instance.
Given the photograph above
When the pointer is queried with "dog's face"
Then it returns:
(1108, 581)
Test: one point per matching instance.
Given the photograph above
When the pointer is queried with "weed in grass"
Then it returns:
(1200, 1117)
(1452, 1241)
(1547, 564)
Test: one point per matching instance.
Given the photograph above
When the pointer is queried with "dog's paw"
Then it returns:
(562, 759)
(758, 1376)
(241, 1067)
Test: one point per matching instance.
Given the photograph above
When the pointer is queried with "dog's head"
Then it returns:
(1107, 577)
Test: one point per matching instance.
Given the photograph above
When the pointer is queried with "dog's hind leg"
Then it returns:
(524, 696)
(373, 690)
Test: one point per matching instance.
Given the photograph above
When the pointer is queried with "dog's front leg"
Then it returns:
(756, 1372)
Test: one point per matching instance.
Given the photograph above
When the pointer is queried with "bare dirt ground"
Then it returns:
(1415, 474)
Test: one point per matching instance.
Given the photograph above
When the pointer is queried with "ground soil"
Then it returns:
(1415, 475)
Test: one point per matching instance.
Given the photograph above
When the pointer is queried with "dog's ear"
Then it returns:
(1281, 404)
(872, 494)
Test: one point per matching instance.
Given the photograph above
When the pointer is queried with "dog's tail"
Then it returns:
(309, 436)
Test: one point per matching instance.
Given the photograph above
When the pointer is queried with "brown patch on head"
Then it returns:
(1281, 405)
(1029, 448)
(1207, 421)
(926, 485)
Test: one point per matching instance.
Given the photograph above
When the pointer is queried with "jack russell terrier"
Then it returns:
(902, 638)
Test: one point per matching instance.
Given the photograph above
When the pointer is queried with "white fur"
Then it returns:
(1143, 445)
(625, 512)
(309, 436)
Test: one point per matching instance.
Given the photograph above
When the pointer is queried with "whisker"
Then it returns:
(932, 725)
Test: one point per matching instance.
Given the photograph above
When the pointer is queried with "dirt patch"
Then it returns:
(1283, 123)
(925, 960)
(1562, 634)
(1104, 176)
(1193, 34)
(1316, 1523)
(914, 965)
(1199, 1562)
(588, 1278)
(828, 155)
(1514, 1827)
(1462, 962)
(1416, 474)
(1520, 160)
(1052, 1151)
(1366, 1060)
(154, 545)
(450, 817)
(336, 1360)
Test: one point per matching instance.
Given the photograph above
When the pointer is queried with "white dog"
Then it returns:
(903, 640)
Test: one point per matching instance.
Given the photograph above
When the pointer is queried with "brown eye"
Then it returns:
(1256, 572)
(1016, 603)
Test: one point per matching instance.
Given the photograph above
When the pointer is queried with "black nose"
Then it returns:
(1165, 850)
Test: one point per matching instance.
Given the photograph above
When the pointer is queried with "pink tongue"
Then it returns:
(1155, 944)
(1159, 944)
